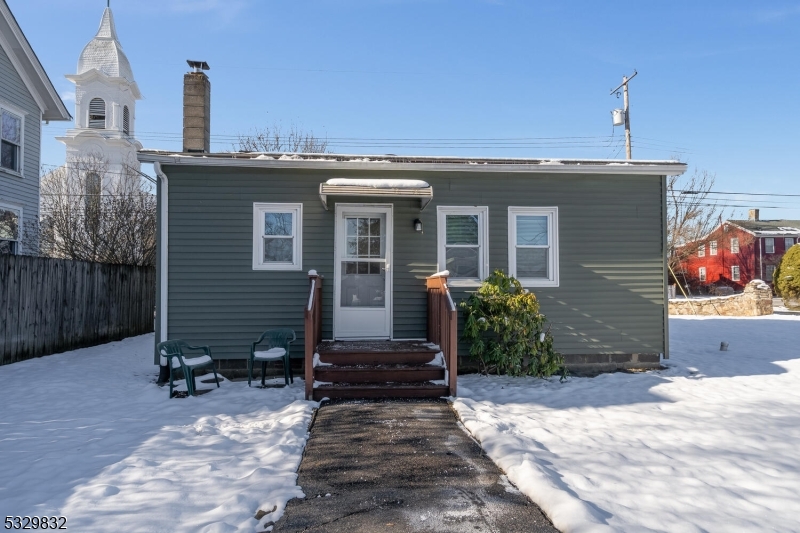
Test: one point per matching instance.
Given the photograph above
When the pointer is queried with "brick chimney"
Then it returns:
(753, 214)
(197, 109)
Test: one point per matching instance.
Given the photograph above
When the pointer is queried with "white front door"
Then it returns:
(362, 272)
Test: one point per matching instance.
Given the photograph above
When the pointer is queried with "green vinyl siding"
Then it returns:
(611, 293)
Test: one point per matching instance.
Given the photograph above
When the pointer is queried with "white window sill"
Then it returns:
(534, 283)
(464, 282)
(9, 172)
(282, 266)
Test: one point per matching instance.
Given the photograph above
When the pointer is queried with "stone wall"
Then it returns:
(756, 300)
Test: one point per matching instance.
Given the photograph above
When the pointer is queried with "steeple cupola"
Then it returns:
(104, 52)
(105, 102)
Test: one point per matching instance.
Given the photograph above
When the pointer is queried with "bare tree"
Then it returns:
(275, 139)
(90, 214)
(691, 214)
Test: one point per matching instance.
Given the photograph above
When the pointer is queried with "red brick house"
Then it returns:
(739, 251)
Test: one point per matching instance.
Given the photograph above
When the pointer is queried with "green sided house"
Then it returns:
(353, 249)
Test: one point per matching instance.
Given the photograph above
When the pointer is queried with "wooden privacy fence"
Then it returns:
(54, 305)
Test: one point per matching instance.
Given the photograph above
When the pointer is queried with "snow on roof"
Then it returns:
(441, 163)
(379, 184)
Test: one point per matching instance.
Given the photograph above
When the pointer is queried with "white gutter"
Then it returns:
(654, 168)
(162, 243)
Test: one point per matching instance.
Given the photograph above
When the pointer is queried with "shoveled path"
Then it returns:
(402, 466)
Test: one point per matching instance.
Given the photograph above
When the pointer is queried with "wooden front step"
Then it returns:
(384, 390)
(378, 374)
(375, 353)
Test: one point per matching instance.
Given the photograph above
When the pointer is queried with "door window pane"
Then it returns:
(462, 262)
(364, 238)
(363, 284)
(532, 231)
(462, 229)
(532, 263)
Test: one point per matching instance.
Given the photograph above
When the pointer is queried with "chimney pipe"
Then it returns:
(197, 109)
(753, 214)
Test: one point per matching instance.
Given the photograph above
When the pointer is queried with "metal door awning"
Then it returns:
(394, 188)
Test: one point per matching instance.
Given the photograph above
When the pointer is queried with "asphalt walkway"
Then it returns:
(402, 466)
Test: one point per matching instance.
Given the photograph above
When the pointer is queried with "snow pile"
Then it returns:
(710, 444)
(88, 435)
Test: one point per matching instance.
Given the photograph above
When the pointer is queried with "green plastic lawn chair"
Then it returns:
(275, 348)
(174, 351)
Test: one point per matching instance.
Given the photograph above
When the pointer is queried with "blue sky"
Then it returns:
(718, 82)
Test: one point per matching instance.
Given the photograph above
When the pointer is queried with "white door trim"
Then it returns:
(358, 208)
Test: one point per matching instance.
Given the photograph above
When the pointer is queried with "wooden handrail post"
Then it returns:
(312, 314)
(443, 324)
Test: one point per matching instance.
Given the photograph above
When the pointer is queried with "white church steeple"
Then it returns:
(105, 103)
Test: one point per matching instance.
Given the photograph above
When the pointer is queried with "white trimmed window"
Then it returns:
(10, 221)
(11, 132)
(463, 242)
(788, 242)
(735, 245)
(712, 247)
(701, 252)
(734, 273)
(533, 245)
(769, 245)
(126, 121)
(701, 273)
(277, 236)
(770, 272)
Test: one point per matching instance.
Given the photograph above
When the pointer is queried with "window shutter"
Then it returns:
(97, 114)
(126, 121)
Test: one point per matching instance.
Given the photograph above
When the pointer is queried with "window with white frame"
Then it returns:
(10, 140)
(463, 238)
(735, 245)
(788, 242)
(735, 273)
(277, 236)
(10, 220)
(770, 272)
(701, 251)
(712, 247)
(533, 245)
(769, 245)
(701, 273)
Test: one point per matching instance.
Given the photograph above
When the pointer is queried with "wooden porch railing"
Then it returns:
(443, 325)
(313, 328)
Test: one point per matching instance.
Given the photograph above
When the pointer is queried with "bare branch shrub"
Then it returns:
(275, 139)
(691, 214)
(90, 214)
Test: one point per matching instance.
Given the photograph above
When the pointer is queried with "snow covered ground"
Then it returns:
(88, 435)
(710, 444)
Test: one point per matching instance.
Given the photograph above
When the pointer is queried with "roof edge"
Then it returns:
(414, 163)
(44, 94)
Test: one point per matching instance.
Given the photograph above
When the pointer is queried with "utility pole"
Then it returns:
(624, 86)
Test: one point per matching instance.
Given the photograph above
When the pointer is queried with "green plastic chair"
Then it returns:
(176, 358)
(275, 348)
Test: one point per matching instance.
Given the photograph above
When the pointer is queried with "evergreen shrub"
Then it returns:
(506, 331)
(787, 277)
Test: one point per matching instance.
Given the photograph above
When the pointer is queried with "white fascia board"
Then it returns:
(15, 32)
(95, 74)
(656, 168)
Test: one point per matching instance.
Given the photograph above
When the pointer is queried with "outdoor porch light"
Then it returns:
(418, 225)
